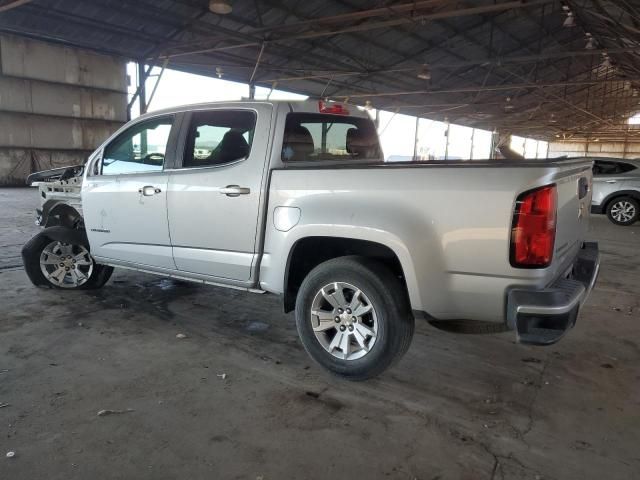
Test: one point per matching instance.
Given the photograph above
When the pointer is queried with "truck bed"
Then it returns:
(449, 222)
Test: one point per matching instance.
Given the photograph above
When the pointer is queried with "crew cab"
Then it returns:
(295, 199)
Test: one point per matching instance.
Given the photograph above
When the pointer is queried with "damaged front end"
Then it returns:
(59, 193)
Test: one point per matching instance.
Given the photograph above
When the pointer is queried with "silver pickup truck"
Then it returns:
(294, 198)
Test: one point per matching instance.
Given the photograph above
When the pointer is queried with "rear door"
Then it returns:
(606, 180)
(214, 194)
(124, 199)
(630, 176)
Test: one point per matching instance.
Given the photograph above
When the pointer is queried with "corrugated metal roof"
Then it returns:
(510, 65)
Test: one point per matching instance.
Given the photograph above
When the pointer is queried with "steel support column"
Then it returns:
(142, 88)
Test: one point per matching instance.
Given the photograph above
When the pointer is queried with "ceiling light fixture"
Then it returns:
(570, 21)
(508, 106)
(424, 73)
(220, 7)
(591, 42)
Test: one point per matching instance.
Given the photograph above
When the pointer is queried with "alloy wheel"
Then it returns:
(344, 321)
(65, 265)
(623, 211)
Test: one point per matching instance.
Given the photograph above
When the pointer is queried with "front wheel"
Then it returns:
(353, 317)
(623, 211)
(58, 264)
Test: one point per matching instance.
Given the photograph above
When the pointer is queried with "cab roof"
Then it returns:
(305, 106)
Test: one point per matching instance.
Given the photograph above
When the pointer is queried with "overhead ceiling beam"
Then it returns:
(445, 66)
(316, 45)
(6, 5)
(287, 52)
(388, 79)
(563, 99)
(428, 46)
(358, 15)
(490, 88)
(375, 25)
(405, 19)
(522, 45)
(441, 47)
(461, 12)
(254, 41)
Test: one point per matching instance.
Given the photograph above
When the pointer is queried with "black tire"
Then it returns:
(388, 297)
(32, 251)
(616, 203)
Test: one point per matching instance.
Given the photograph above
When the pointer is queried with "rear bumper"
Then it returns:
(597, 209)
(542, 317)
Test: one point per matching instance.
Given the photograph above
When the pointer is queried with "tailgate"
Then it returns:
(573, 184)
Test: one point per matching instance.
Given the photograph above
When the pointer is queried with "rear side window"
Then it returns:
(625, 167)
(140, 148)
(219, 137)
(611, 168)
(311, 136)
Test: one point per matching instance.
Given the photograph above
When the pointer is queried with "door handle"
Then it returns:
(612, 181)
(234, 190)
(148, 190)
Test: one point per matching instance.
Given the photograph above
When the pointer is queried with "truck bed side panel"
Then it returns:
(449, 227)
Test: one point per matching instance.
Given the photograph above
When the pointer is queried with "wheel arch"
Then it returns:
(59, 213)
(635, 194)
(66, 235)
(308, 252)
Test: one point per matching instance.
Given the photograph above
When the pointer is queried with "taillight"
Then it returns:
(533, 231)
(330, 107)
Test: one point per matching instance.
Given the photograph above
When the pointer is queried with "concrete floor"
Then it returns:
(456, 407)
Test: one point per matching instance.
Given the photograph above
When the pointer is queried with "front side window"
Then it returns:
(141, 148)
(310, 136)
(219, 137)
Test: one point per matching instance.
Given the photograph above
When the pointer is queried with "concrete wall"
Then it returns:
(628, 149)
(57, 104)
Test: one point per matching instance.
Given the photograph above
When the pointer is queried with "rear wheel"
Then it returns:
(57, 264)
(623, 211)
(353, 317)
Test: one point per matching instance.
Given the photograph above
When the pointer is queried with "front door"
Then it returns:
(214, 196)
(125, 201)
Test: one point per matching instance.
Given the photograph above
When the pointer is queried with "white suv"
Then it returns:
(616, 190)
